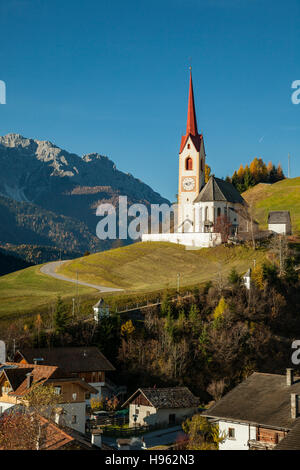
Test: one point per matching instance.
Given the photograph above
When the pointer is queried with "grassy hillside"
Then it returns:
(29, 290)
(150, 266)
(284, 195)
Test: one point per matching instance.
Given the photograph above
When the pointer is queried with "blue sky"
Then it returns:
(112, 77)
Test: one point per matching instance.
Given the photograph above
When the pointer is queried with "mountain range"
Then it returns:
(48, 197)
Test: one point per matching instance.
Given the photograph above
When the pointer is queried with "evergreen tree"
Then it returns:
(234, 277)
(60, 316)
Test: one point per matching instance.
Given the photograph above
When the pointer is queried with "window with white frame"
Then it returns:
(57, 390)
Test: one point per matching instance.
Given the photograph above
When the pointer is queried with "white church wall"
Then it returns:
(199, 240)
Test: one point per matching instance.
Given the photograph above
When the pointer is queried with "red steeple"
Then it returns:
(191, 126)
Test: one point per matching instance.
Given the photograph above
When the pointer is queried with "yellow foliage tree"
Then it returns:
(97, 404)
(220, 308)
(258, 276)
(202, 434)
(241, 172)
(127, 328)
(207, 172)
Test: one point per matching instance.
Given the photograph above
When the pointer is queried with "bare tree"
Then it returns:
(280, 248)
(216, 389)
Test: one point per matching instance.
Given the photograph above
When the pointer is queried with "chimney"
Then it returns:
(294, 405)
(289, 377)
(36, 360)
(2, 352)
(96, 438)
(29, 378)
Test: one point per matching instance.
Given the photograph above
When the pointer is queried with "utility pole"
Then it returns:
(178, 282)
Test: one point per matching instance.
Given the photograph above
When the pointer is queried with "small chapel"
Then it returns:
(205, 209)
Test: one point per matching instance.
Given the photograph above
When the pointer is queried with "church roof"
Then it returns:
(219, 190)
(191, 125)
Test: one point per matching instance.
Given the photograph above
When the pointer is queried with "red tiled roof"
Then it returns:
(41, 374)
(54, 438)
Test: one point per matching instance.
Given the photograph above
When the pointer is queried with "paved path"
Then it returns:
(165, 436)
(50, 269)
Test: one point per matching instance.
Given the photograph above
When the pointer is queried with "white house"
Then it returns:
(260, 413)
(247, 279)
(280, 222)
(167, 406)
(101, 310)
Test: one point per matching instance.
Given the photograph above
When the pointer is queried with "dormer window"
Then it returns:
(189, 164)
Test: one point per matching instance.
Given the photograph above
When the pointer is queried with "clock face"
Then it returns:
(188, 184)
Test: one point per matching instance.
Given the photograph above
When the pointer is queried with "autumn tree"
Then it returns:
(24, 428)
(207, 172)
(202, 434)
(18, 431)
(220, 309)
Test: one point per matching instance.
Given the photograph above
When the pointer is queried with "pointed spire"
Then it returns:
(191, 126)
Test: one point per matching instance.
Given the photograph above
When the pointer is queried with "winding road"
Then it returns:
(50, 270)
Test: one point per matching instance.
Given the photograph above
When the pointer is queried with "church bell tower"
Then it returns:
(191, 168)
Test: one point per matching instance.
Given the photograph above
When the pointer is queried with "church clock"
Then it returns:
(188, 183)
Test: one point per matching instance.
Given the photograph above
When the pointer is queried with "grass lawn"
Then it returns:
(149, 266)
(284, 195)
(23, 291)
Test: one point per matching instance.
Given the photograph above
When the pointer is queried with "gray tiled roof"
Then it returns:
(71, 359)
(175, 397)
(262, 399)
(219, 190)
(292, 439)
(279, 217)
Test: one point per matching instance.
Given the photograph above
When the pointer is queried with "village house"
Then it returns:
(161, 406)
(101, 310)
(17, 379)
(55, 437)
(260, 413)
(88, 363)
(280, 222)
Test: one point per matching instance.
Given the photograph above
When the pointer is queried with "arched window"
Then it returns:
(189, 164)
(219, 212)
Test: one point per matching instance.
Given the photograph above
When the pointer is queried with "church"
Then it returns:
(207, 211)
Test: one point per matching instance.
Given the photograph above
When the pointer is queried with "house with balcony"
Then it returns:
(88, 363)
(261, 413)
(18, 379)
